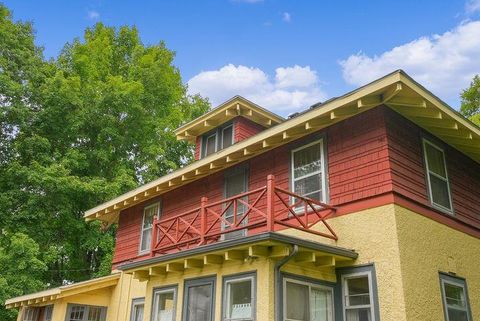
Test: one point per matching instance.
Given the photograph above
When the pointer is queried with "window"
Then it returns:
(239, 298)
(30, 314)
(47, 316)
(138, 306)
(217, 139)
(438, 185)
(164, 304)
(235, 183)
(199, 300)
(455, 298)
(358, 303)
(85, 313)
(308, 172)
(147, 225)
(305, 301)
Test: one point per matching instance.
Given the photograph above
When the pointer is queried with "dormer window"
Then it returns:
(220, 138)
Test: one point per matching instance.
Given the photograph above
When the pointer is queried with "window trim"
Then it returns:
(235, 278)
(298, 279)
(165, 289)
(136, 302)
(446, 278)
(196, 282)
(218, 133)
(323, 183)
(103, 313)
(442, 208)
(142, 229)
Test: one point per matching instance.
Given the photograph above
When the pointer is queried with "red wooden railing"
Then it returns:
(265, 209)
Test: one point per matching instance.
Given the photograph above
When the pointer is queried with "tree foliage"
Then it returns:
(76, 131)
(471, 101)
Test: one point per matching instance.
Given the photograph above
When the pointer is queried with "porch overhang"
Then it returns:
(270, 244)
(49, 296)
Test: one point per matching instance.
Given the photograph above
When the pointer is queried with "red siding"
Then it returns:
(408, 171)
(369, 155)
(198, 147)
(244, 128)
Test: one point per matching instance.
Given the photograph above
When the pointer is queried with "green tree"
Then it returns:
(79, 130)
(471, 101)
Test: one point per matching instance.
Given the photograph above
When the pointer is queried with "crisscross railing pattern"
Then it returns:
(265, 209)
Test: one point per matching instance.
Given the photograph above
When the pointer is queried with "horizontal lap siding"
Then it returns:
(408, 169)
(245, 128)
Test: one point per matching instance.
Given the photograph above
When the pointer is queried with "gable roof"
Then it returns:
(236, 106)
(396, 90)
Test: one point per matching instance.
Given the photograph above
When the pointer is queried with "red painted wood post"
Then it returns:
(203, 218)
(153, 241)
(270, 203)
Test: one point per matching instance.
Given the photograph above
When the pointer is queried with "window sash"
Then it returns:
(227, 298)
(345, 294)
(230, 143)
(428, 144)
(156, 304)
(207, 139)
(460, 284)
(147, 227)
(86, 313)
(310, 286)
(210, 304)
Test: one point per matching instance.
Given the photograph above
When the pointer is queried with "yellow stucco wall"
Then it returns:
(427, 247)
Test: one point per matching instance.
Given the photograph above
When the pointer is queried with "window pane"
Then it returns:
(435, 160)
(199, 306)
(440, 194)
(456, 315)
(240, 299)
(165, 304)
(149, 213)
(297, 301)
(358, 291)
(307, 185)
(146, 239)
(321, 305)
(94, 314)
(77, 313)
(210, 145)
(454, 295)
(138, 312)
(48, 313)
(306, 161)
(227, 137)
(359, 315)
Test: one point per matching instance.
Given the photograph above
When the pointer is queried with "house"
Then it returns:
(363, 208)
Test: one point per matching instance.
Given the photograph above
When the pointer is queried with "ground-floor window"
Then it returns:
(305, 301)
(164, 304)
(37, 313)
(138, 306)
(199, 299)
(76, 312)
(239, 298)
(455, 298)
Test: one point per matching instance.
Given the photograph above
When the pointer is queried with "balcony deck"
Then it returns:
(265, 209)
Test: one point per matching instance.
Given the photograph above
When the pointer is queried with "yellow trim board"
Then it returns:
(396, 90)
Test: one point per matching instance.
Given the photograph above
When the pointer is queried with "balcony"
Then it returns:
(265, 209)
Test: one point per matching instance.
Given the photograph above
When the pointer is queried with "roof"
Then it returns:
(396, 90)
(236, 106)
(44, 297)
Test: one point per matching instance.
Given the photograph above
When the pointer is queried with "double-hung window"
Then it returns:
(149, 213)
(437, 177)
(239, 298)
(305, 301)
(220, 138)
(199, 300)
(308, 171)
(138, 307)
(77, 312)
(164, 304)
(358, 302)
(455, 298)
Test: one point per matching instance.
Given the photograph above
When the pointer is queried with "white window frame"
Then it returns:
(346, 307)
(135, 304)
(232, 141)
(445, 179)
(310, 286)
(155, 302)
(206, 144)
(322, 171)
(226, 296)
(103, 311)
(143, 229)
(461, 284)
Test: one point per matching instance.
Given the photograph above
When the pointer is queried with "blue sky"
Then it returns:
(285, 55)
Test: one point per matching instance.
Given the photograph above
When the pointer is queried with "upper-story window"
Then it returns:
(438, 184)
(455, 298)
(220, 138)
(308, 171)
(149, 213)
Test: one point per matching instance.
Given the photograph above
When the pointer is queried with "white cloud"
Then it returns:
(287, 17)
(292, 89)
(472, 6)
(93, 15)
(444, 63)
